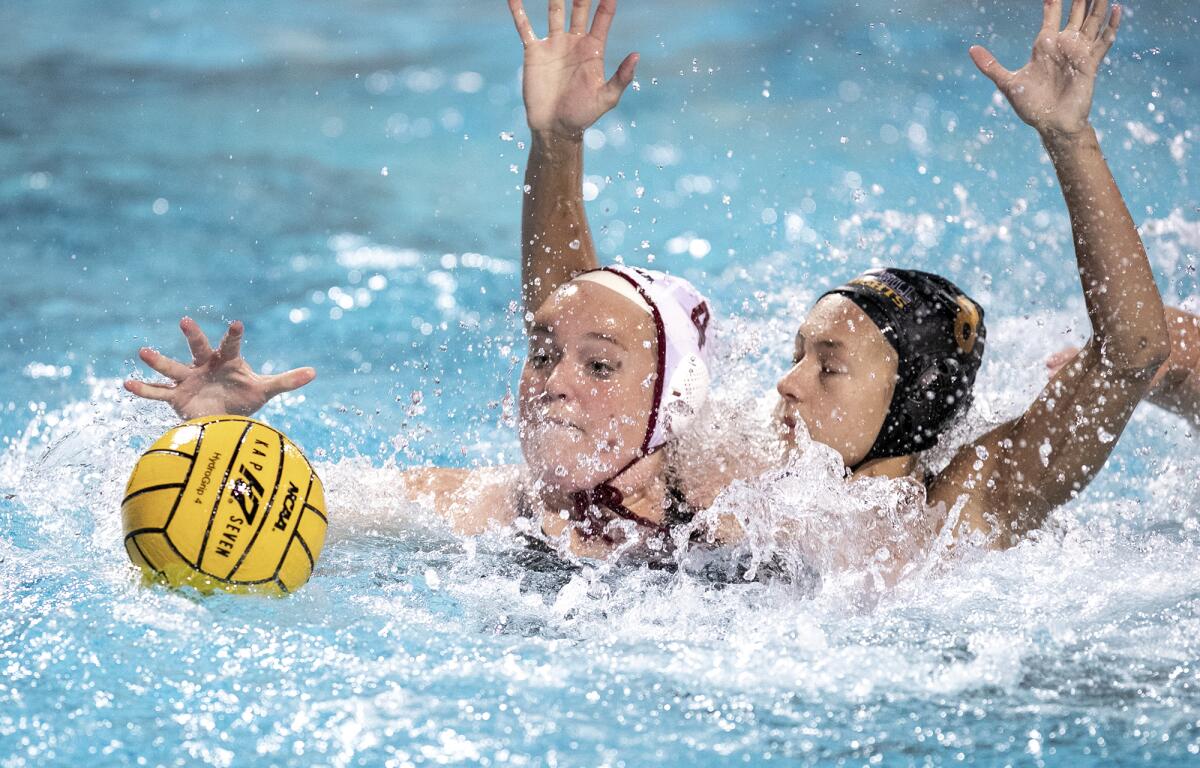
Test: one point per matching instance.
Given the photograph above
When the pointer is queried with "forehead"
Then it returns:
(838, 320)
(581, 308)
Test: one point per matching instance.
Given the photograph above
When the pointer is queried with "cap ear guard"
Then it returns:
(684, 395)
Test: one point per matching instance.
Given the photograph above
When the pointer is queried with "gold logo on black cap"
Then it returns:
(966, 324)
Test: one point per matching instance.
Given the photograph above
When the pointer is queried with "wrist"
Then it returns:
(1057, 139)
(557, 138)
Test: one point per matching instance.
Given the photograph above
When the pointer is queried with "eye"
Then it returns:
(601, 369)
(539, 357)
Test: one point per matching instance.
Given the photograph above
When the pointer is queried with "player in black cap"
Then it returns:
(938, 335)
(884, 363)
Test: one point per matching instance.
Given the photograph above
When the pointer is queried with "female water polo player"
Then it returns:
(1176, 386)
(615, 370)
(882, 365)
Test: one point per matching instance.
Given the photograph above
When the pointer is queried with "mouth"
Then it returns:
(787, 425)
(557, 422)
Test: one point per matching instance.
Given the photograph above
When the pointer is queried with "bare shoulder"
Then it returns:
(471, 500)
(975, 479)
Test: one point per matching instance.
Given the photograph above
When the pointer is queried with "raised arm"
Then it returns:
(565, 92)
(1044, 458)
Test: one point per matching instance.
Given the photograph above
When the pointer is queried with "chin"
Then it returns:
(560, 463)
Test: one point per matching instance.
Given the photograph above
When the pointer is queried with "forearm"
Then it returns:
(1123, 302)
(470, 500)
(556, 243)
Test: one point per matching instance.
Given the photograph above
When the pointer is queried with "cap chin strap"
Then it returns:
(588, 506)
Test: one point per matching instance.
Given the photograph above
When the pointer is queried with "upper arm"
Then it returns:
(1015, 475)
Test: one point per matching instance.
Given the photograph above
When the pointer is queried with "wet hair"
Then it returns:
(938, 334)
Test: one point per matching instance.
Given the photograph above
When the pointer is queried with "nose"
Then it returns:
(560, 384)
(795, 384)
(790, 387)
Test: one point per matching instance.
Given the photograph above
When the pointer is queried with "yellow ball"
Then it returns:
(225, 503)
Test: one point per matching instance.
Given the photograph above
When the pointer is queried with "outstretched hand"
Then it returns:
(217, 382)
(563, 76)
(1053, 92)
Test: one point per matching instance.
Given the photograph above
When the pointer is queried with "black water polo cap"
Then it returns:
(938, 334)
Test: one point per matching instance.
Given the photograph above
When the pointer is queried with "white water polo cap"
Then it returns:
(681, 318)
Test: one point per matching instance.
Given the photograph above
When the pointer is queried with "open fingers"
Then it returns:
(621, 79)
(988, 65)
(172, 369)
(1109, 35)
(604, 18)
(1078, 12)
(231, 343)
(521, 20)
(1052, 15)
(197, 341)
(558, 16)
(1094, 21)
(150, 391)
(289, 380)
(579, 16)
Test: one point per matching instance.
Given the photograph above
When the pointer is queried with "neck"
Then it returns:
(642, 485)
(894, 467)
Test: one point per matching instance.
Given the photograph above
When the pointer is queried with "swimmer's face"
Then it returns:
(841, 381)
(587, 386)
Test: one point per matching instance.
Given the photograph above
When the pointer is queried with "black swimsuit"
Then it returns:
(720, 566)
(661, 557)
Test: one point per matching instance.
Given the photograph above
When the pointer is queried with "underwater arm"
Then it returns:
(1020, 472)
(217, 382)
(565, 92)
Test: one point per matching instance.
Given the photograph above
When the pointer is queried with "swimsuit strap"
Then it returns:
(589, 506)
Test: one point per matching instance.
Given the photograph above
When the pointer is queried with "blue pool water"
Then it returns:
(227, 160)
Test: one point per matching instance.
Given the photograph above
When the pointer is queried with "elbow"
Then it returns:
(1141, 356)
(1154, 349)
